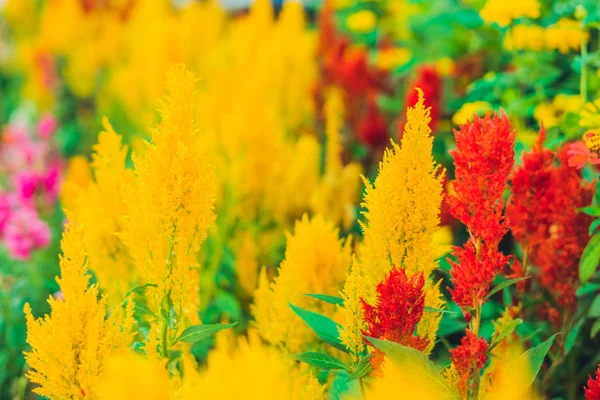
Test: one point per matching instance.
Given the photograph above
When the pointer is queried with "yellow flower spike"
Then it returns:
(169, 202)
(69, 346)
(401, 216)
(316, 261)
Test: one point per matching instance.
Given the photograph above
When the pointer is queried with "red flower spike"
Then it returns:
(468, 358)
(473, 275)
(592, 391)
(483, 162)
(399, 308)
(372, 127)
(543, 217)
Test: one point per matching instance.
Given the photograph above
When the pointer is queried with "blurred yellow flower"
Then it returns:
(504, 12)
(566, 35)
(388, 59)
(442, 241)
(525, 37)
(444, 66)
(362, 21)
(551, 114)
(590, 115)
(466, 111)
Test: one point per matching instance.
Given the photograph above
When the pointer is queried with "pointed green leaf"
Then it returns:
(589, 258)
(591, 210)
(364, 367)
(327, 298)
(320, 360)
(593, 226)
(407, 356)
(506, 330)
(595, 328)
(572, 336)
(535, 356)
(432, 309)
(140, 289)
(504, 284)
(325, 328)
(197, 333)
(142, 309)
(587, 288)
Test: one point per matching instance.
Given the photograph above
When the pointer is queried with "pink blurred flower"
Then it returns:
(47, 126)
(579, 154)
(25, 232)
(25, 185)
(6, 206)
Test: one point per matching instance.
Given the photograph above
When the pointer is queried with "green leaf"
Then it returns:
(587, 288)
(325, 328)
(535, 356)
(341, 388)
(328, 299)
(595, 328)
(594, 226)
(589, 258)
(140, 289)
(407, 356)
(504, 284)
(197, 333)
(364, 367)
(591, 210)
(320, 360)
(432, 309)
(506, 330)
(572, 336)
(142, 309)
(594, 310)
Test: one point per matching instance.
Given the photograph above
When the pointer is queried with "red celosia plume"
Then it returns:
(592, 391)
(468, 358)
(399, 308)
(430, 82)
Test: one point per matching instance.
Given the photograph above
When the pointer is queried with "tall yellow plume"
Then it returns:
(316, 261)
(401, 217)
(69, 346)
(170, 200)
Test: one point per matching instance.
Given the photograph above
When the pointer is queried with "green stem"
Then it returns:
(583, 78)
(362, 388)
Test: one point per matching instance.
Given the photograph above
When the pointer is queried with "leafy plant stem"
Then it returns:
(362, 388)
(583, 78)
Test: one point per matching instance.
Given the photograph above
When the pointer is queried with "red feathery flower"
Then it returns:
(399, 308)
(468, 358)
(372, 127)
(483, 161)
(472, 275)
(592, 391)
(543, 217)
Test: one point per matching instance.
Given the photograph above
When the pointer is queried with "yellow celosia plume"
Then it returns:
(69, 346)
(97, 205)
(260, 372)
(169, 201)
(401, 218)
(316, 261)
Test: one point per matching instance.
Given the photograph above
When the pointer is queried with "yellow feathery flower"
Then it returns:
(99, 208)
(466, 111)
(260, 373)
(337, 194)
(401, 217)
(566, 35)
(353, 319)
(169, 201)
(502, 12)
(131, 376)
(362, 21)
(316, 261)
(69, 346)
(428, 325)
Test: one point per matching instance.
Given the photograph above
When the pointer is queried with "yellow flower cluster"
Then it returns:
(96, 203)
(69, 346)
(565, 36)
(316, 261)
(504, 12)
(467, 110)
(552, 113)
(401, 217)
